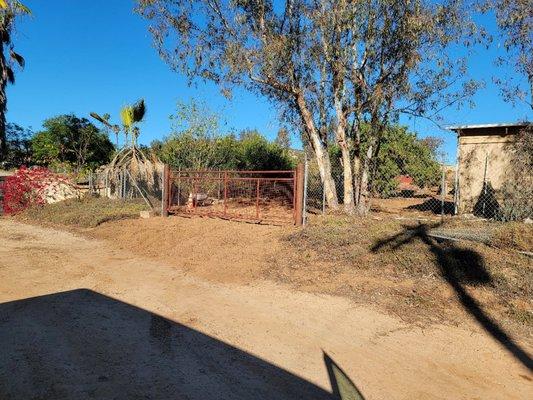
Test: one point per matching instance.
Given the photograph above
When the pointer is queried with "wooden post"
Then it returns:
(165, 195)
(225, 192)
(257, 200)
(299, 195)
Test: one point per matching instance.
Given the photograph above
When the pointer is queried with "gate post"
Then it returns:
(299, 195)
(165, 191)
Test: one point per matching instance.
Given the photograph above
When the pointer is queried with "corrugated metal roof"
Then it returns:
(484, 126)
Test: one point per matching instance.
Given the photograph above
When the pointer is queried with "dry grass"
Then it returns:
(514, 235)
(372, 260)
(86, 212)
(386, 263)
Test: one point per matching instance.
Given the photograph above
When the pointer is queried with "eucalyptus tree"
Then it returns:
(381, 58)
(515, 20)
(9, 11)
(331, 65)
(252, 44)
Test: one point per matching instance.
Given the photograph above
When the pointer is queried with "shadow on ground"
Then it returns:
(81, 344)
(435, 206)
(459, 267)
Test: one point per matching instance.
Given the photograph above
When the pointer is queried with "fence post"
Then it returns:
(323, 200)
(299, 195)
(165, 194)
(442, 190)
(225, 192)
(179, 186)
(306, 176)
(257, 200)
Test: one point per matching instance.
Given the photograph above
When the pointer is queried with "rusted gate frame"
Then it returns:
(225, 177)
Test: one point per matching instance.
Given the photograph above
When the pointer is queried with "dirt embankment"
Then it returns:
(396, 266)
(142, 328)
(213, 249)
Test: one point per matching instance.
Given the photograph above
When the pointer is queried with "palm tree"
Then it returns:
(104, 119)
(131, 115)
(9, 10)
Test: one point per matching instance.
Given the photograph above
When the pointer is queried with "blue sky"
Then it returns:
(97, 55)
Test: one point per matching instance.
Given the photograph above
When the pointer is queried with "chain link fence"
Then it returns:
(145, 182)
(395, 186)
(482, 186)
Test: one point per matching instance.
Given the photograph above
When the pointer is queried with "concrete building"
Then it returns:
(484, 158)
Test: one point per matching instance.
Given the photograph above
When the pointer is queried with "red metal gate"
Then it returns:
(257, 196)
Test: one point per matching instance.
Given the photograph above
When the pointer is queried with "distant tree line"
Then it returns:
(196, 143)
(68, 143)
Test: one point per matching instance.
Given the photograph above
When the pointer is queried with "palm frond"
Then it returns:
(14, 7)
(10, 75)
(126, 115)
(139, 109)
(98, 118)
(17, 58)
(21, 8)
(5, 36)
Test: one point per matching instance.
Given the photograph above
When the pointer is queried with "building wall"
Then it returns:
(493, 146)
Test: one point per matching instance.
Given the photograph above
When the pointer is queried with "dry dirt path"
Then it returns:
(80, 319)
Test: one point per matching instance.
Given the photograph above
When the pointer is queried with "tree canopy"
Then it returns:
(515, 20)
(330, 66)
(18, 146)
(10, 10)
(197, 143)
(72, 142)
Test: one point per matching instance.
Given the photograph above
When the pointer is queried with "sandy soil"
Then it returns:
(81, 318)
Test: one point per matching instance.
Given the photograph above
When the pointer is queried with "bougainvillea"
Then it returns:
(28, 187)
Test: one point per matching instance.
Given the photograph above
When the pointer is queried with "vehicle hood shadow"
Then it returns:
(81, 344)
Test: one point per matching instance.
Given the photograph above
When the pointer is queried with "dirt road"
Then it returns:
(80, 319)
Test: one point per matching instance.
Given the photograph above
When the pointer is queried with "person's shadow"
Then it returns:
(459, 267)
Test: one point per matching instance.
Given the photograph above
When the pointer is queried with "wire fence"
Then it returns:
(394, 187)
(126, 184)
(482, 187)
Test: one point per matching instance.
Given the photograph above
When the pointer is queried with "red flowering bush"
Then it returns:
(28, 187)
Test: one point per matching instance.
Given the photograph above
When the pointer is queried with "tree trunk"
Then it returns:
(363, 201)
(3, 105)
(322, 156)
(346, 160)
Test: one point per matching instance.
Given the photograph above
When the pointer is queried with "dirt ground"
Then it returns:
(84, 317)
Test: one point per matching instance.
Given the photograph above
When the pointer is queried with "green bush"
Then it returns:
(196, 143)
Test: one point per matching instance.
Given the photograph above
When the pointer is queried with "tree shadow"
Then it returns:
(81, 344)
(459, 267)
(487, 205)
(434, 206)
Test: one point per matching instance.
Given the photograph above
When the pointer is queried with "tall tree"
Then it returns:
(71, 141)
(131, 116)
(250, 44)
(332, 65)
(283, 138)
(515, 20)
(9, 11)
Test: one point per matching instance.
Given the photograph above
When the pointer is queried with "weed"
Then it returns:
(85, 212)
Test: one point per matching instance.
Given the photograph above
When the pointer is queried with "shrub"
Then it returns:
(27, 187)
(517, 191)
